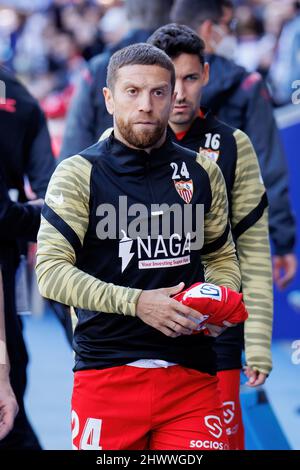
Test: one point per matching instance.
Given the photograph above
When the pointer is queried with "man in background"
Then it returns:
(25, 151)
(196, 128)
(241, 100)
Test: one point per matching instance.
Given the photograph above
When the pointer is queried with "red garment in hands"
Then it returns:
(217, 303)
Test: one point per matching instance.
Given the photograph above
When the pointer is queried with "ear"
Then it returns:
(109, 100)
(205, 79)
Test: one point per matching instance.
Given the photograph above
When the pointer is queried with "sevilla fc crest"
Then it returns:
(209, 153)
(185, 190)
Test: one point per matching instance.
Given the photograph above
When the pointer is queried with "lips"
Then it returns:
(181, 108)
(146, 123)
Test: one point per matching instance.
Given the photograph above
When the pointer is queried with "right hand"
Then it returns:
(8, 407)
(284, 270)
(255, 377)
(157, 309)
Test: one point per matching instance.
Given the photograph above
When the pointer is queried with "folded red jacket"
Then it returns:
(216, 303)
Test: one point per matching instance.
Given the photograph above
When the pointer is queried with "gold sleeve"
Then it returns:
(63, 226)
(219, 259)
(250, 229)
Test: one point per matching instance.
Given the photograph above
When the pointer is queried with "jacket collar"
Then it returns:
(122, 155)
(201, 124)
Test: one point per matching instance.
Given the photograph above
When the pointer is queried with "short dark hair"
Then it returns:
(143, 14)
(193, 13)
(138, 54)
(175, 39)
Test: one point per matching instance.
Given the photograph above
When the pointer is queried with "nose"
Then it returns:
(145, 103)
(179, 88)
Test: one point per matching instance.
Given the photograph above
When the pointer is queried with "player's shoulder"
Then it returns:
(211, 169)
(195, 159)
(231, 136)
(183, 152)
(214, 126)
(197, 166)
(242, 140)
(75, 168)
(107, 133)
(206, 163)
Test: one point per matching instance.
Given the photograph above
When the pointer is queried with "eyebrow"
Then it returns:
(191, 73)
(129, 83)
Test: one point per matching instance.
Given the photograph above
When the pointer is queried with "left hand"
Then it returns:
(255, 377)
(284, 269)
(215, 331)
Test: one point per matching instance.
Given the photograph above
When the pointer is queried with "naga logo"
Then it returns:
(159, 253)
(228, 410)
(125, 250)
(214, 425)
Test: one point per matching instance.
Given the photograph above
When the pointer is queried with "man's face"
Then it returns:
(140, 102)
(191, 76)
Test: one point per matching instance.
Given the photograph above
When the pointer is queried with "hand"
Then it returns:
(255, 377)
(157, 309)
(284, 269)
(8, 407)
(36, 202)
(215, 331)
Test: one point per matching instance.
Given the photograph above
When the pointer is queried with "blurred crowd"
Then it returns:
(47, 42)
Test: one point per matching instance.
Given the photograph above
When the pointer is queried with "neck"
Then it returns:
(158, 144)
(177, 128)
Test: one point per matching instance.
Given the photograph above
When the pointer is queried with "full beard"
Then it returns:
(141, 139)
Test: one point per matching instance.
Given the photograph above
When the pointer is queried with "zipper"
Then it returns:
(148, 168)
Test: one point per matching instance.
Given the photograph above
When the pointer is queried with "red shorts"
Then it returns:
(229, 383)
(132, 408)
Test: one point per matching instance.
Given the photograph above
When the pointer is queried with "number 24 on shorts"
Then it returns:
(90, 437)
